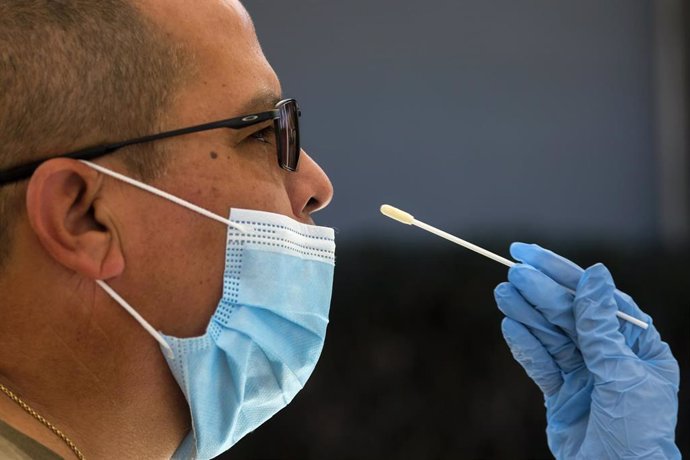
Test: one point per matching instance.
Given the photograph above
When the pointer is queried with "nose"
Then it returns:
(309, 188)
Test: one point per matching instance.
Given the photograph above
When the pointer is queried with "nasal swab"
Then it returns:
(408, 219)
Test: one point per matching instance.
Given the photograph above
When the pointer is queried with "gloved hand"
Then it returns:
(610, 387)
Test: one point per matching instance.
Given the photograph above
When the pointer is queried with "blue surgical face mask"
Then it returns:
(266, 334)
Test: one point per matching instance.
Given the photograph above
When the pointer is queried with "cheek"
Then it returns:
(252, 180)
(193, 278)
(174, 268)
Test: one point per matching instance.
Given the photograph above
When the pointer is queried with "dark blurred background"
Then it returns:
(558, 122)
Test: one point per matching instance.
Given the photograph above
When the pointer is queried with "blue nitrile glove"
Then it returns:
(610, 387)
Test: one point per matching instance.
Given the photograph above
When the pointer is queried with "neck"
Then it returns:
(111, 395)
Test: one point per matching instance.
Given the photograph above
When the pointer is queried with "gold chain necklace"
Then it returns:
(40, 418)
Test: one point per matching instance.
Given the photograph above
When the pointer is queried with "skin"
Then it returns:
(73, 354)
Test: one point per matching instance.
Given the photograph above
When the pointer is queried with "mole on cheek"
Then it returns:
(214, 155)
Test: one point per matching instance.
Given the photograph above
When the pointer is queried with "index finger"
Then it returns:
(559, 269)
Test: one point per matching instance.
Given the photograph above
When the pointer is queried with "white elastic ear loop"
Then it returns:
(154, 333)
(166, 195)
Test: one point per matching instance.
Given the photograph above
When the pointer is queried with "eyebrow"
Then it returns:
(263, 100)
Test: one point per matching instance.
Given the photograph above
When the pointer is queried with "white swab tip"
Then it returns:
(396, 214)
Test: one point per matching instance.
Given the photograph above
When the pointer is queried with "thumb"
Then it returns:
(603, 347)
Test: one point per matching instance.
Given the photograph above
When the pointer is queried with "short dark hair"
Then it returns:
(75, 73)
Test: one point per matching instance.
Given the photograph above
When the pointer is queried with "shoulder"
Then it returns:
(15, 445)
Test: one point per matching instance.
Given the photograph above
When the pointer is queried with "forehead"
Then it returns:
(230, 68)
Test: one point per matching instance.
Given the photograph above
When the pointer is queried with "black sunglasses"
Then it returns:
(285, 118)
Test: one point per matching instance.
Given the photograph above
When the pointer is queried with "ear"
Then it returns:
(69, 218)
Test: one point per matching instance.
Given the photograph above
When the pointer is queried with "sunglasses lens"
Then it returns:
(288, 135)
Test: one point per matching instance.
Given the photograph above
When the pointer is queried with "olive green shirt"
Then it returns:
(17, 446)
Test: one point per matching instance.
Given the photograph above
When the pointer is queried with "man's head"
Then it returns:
(79, 73)
(112, 71)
